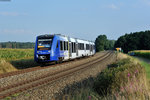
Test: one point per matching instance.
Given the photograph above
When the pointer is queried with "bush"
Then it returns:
(116, 75)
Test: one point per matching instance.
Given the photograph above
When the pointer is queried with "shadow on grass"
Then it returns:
(24, 63)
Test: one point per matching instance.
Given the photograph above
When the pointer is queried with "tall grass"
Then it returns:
(6, 67)
(124, 80)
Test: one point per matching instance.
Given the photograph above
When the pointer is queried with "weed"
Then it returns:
(15, 95)
(7, 98)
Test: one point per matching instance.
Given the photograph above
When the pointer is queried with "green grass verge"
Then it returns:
(147, 68)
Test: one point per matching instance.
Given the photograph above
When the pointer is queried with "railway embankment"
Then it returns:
(114, 77)
(126, 79)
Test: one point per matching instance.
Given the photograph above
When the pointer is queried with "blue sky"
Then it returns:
(23, 20)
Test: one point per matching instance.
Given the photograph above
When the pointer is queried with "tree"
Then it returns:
(134, 41)
(102, 43)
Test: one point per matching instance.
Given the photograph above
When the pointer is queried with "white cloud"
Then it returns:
(12, 14)
(15, 31)
(112, 6)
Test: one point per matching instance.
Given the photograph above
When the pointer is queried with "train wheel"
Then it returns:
(60, 60)
(56, 62)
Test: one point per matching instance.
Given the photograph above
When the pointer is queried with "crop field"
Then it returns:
(16, 54)
(15, 59)
(142, 53)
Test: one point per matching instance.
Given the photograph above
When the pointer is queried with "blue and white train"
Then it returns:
(58, 48)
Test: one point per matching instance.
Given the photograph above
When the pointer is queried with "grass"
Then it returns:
(123, 80)
(144, 64)
(15, 59)
(147, 68)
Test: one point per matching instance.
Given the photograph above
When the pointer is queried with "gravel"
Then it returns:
(34, 74)
(48, 91)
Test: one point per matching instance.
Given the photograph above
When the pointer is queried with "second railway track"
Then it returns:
(47, 78)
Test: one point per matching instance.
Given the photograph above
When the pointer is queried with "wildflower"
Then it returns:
(128, 74)
(89, 97)
(136, 71)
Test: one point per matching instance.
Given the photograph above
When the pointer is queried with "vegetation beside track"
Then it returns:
(124, 79)
(142, 53)
(14, 59)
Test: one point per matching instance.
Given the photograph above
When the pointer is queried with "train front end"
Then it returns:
(43, 48)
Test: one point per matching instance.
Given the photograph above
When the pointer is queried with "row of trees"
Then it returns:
(134, 41)
(102, 43)
(22, 45)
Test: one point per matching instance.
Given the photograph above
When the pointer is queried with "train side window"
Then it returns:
(82, 46)
(57, 45)
(87, 46)
(61, 45)
(64, 45)
(74, 47)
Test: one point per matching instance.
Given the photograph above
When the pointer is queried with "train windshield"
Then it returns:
(44, 44)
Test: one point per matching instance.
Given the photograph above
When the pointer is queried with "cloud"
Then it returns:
(12, 14)
(112, 6)
(15, 31)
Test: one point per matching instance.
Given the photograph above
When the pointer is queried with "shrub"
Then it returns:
(116, 76)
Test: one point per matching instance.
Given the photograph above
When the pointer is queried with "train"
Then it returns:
(58, 48)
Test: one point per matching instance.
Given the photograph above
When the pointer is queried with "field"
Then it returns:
(15, 59)
(16, 54)
(142, 53)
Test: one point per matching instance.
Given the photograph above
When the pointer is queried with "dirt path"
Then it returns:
(143, 59)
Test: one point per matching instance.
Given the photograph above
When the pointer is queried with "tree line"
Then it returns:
(22, 45)
(102, 43)
(134, 41)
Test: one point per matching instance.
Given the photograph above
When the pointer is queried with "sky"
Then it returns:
(23, 20)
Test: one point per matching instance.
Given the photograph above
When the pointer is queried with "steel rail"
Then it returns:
(53, 77)
(34, 69)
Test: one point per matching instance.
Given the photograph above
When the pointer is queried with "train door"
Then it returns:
(58, 49)
(70, 50)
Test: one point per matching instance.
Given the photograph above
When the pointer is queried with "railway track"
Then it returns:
(47, 78)
(31, 69)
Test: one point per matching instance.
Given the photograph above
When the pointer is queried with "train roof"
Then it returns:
(52, 35)
(45, 36)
